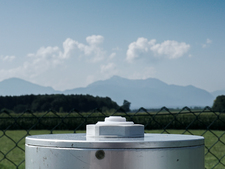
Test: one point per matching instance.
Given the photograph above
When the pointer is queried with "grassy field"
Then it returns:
(214, 145)
(12, 145)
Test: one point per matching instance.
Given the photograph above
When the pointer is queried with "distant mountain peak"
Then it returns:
(116, 77)
(120, 81)
(16, 86)
(148, 93)
(13, 79)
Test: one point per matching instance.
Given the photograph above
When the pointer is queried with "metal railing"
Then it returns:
(205, 122)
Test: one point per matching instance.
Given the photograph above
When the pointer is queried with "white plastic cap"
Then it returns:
(115, 121)
(115, 126)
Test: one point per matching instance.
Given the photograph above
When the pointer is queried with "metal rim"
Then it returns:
(81, 141)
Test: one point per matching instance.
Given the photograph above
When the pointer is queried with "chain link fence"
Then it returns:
(205, 122)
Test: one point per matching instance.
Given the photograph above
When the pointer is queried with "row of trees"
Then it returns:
(219, 103)
(57, 102)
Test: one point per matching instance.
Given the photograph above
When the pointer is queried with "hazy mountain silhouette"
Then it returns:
(16, 86)
(148, 93)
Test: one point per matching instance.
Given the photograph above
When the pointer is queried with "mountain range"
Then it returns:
(148, 93)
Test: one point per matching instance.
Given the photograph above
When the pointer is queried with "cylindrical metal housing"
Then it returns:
(78, 151)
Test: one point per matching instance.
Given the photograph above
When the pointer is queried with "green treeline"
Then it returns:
(56, 102)
(219, 104)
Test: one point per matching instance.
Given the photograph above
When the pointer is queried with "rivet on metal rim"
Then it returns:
(100, 154)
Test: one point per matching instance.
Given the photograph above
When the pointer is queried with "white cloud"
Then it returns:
(5, 74)
(69, 45)
(7, 58)
(112, 55)
(204, 46)
(208, 41)
(171, 49)
(95, 40)
(44, 59)
(48, 52)
(53, 55)
(108, 68)
(106, 71)
(168, 49)
(135, 49)
(72, 47)
(52, 61)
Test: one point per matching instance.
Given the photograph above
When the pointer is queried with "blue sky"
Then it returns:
(68, 44)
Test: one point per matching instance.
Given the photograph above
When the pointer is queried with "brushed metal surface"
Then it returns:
(77, 158)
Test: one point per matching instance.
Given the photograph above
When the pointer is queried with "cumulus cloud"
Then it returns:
(112, 55)
(69, 45)
(171, 49)
(93, 48)
(46, 52)
(208, 41)
(7, 58)
(110, 67)
(168, 49)
(5, 74)
(44, 59)
(72, 48)
(53, 57)
(138, 48)
(95, 40)
(47, 57)
(108, 70)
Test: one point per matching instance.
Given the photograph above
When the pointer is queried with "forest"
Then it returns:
(56, 102)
